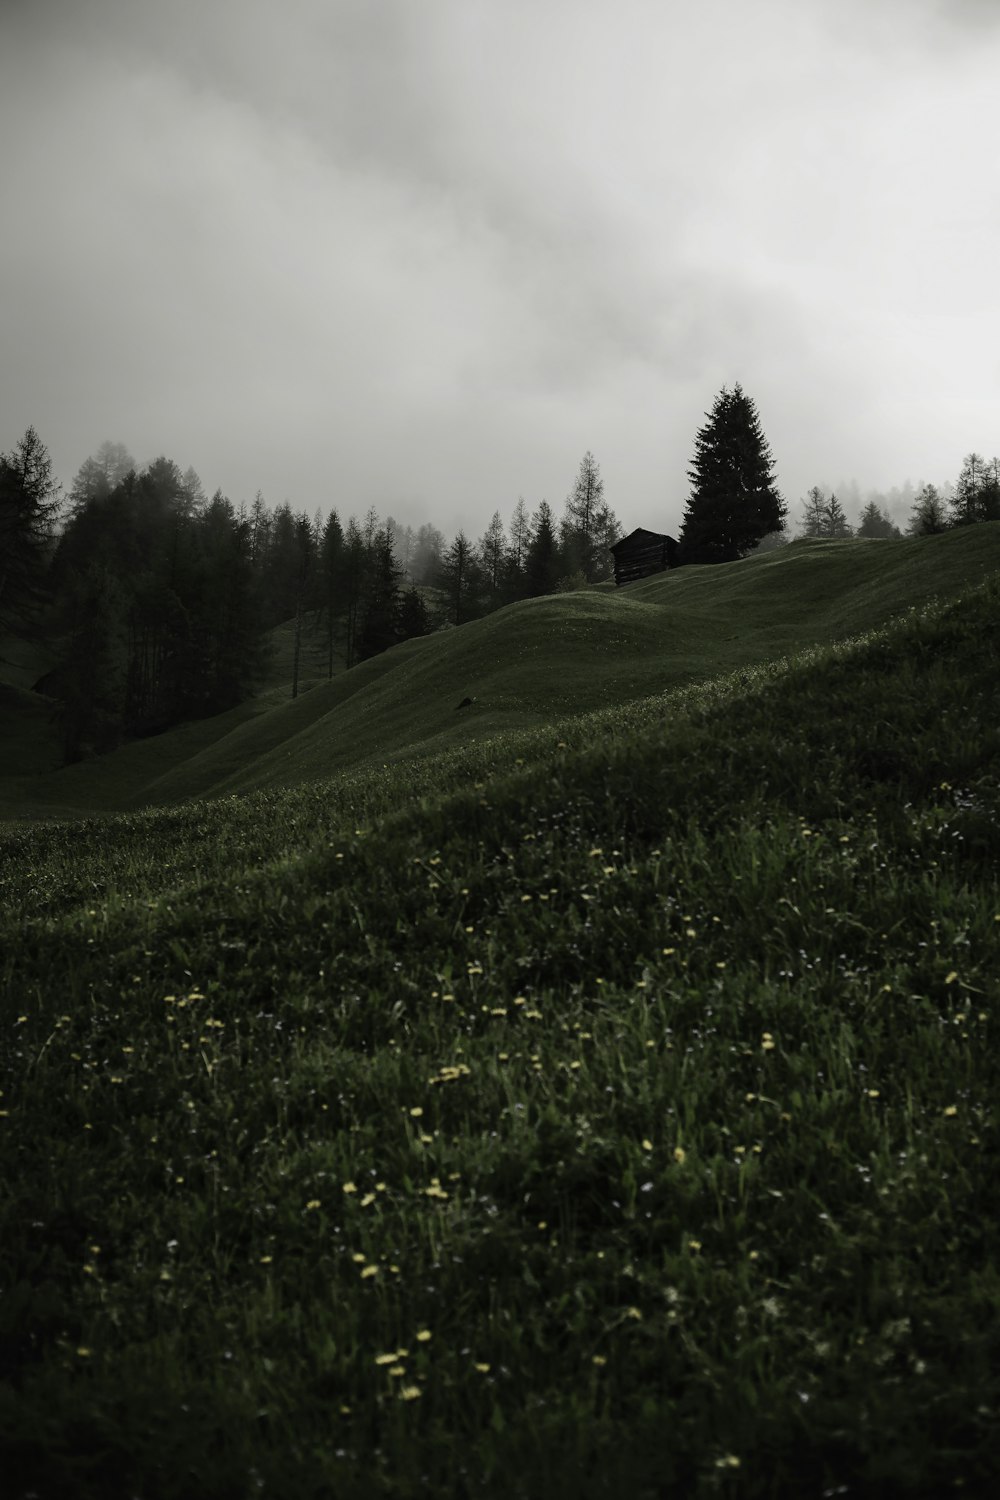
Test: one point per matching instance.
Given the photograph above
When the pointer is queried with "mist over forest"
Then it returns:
(152, 602)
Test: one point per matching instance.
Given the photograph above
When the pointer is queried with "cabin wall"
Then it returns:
(642, 560)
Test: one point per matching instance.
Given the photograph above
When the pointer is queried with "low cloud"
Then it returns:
(423, 257)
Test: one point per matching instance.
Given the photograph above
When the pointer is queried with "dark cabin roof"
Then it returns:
(641, 537)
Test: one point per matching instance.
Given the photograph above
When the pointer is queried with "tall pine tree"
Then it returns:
(734, 502)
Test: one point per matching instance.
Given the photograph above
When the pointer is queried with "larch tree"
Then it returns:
(585, 520)
(734, 502)
(977, 493)
(518, 541)
(519, 533)
(823, 515)
(29, 505)
(493, 553)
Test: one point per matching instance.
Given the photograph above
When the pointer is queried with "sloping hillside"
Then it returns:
(616, 1119)
(530, 664)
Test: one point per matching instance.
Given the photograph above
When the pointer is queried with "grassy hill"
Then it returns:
(608, 1107)
(525, 666)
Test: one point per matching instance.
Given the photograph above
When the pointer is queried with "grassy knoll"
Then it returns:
(526, 666)
(608, 1109)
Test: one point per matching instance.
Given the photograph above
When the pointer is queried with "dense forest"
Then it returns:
(158, 601)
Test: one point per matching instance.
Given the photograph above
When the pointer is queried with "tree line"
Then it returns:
(735, 508)
(974, 498)
(158, 602)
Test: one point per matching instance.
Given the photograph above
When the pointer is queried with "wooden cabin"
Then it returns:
(643, 552)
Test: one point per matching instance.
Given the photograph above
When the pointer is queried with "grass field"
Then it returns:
(526, 666)
(604, 1105)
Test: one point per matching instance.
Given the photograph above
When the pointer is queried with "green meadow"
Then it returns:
(592, 1092)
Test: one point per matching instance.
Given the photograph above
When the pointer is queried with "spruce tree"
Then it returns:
(734, 502)
(541, 567)
(876, 524)
(460, 578)
(384, 574)
(413, 617)
(928, 516)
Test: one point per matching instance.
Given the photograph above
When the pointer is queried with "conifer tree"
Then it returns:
(460, 579)
(28, 506)
(413, 616)
(977, 493)
(734, 502)
(928, 516)
(824, 516)
(493, 555)
(519, 538)
(585, 520)
(876, 524)
(541, 566)
(428, 550)
(331, 582)
(381, 614)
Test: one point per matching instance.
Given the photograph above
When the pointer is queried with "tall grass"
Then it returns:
(608, 1111)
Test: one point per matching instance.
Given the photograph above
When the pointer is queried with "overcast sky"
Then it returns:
(422, 254)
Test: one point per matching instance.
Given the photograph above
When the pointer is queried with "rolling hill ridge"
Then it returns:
(530, 664)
